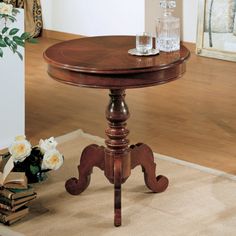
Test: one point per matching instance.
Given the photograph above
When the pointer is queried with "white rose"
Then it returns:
(52, 159)
(20, 138)
(1, 6)
(20, 149)
(47, 144)
(6, 9)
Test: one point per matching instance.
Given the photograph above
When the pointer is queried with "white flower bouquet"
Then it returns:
(37, 160)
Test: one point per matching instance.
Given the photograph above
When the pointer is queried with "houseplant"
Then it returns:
(10, 37)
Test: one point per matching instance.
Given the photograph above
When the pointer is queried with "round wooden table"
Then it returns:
(104, 62)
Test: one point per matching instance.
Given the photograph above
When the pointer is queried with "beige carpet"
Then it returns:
(198, 202)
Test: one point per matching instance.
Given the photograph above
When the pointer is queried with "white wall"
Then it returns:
(104, 17)
(190, 8)
(12, 101)
(90, 17)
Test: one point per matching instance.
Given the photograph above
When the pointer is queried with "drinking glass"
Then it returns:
(143, 43)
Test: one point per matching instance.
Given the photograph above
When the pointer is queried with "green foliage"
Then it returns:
(10, 38)
(2, 43)
(7, 41)
(25, 35)
(32, 40)
(19, 41)
(19, 55)
(15, 11)
(34, 169)
(13, 31)
(4, 30)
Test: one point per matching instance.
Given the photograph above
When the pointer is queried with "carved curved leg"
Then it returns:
(142, 155)
(92, 155)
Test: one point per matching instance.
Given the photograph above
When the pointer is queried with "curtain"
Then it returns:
(33, 15)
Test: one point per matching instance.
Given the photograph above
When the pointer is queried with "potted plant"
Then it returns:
(10, 37)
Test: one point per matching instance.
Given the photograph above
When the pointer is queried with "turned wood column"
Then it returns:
(117, 153)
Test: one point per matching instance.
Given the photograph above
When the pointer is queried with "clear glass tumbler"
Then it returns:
(143, 43)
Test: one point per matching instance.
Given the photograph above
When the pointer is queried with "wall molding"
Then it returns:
(59, 35)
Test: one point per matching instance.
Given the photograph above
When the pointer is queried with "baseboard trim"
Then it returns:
(59, 35)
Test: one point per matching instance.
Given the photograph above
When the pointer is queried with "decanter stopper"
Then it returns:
(168, 28)
(168, 4)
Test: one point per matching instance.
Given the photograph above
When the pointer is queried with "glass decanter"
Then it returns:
(168, 28)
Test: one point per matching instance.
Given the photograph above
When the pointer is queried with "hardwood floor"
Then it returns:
(192, 119)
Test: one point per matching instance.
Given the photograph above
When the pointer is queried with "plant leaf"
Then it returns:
(13, 31)
(19, 54)
(19, 41)
(2, 43)
(1, 52)
(32, 40)
(11, 18)
(34, 169)
(4, 30)
(7, 41)
(14, 46)
(17, 38)
(15, 11)
(25, 35)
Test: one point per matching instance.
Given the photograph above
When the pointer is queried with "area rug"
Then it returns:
(199, 201)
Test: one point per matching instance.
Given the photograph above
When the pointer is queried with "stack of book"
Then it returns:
(15, 195)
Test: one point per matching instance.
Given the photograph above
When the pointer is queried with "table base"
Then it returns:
(94, 156)
(118, 158)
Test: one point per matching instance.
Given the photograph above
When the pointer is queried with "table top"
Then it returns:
(104, 62)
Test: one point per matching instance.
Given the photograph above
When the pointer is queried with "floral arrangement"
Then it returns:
(37, 160)
(8, 36)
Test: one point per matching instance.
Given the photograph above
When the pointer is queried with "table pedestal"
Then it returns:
(117, 158)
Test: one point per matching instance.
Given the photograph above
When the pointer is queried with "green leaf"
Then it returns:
(1, 52)
(11, 18)
(2, 43)
(13, 31)
(25, 35)
(34, 169)
(3, 16)
(18, 41)
(15, 11)
(4, 30)
(19, 54)
(14, 46)
(32, 40)
(7, 41)
(17, 38)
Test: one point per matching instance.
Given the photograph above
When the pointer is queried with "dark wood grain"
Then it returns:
(92, 156)
(117, 156)
(142, 155)
(104, 62)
